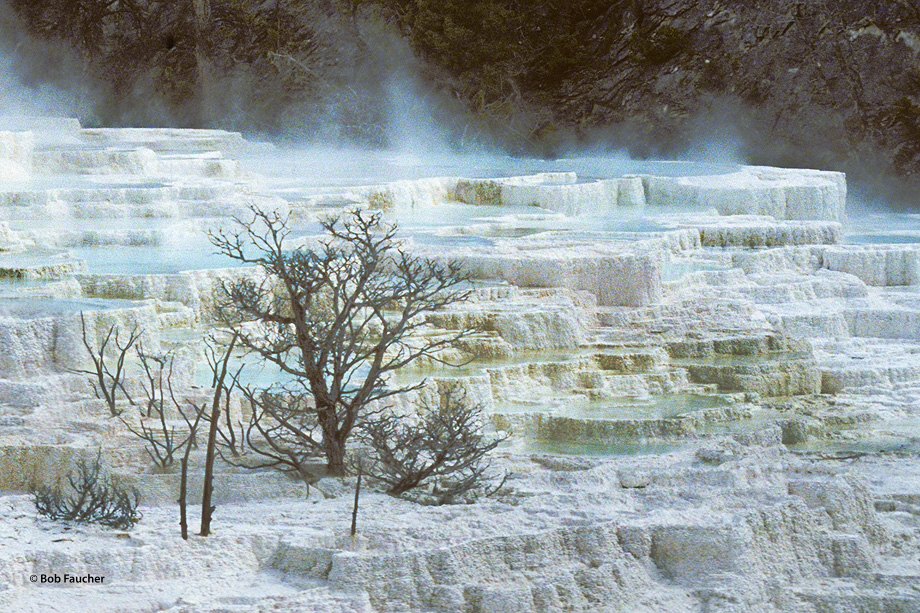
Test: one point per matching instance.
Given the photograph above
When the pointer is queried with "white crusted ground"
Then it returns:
(744, 527)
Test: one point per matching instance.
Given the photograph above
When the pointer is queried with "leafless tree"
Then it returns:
(445, 451)
(163, 442)
(183, 464)
(218, 360)
(337, 320)
(220, 369)
(106, 381)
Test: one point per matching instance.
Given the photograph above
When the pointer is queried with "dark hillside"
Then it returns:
(786, 82)
(800, 83)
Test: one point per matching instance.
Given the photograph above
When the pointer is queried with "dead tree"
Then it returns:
(230, 440)
(199, 410)
(106, 382)
(444, 450)
(183, 464)
(337, 319)
(220, 368)
(163, 443)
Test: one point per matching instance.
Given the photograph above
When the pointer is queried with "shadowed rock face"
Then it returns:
(780, 82)
(783, 82)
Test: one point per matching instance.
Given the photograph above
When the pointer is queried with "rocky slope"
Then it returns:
(814, 82)
(784, 82)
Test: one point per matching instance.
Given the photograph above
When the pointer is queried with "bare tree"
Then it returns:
(445, 451)
(337, 320)
(220, 368)
(183, 464)
(163, 443)
(106, 381)
(218, 360)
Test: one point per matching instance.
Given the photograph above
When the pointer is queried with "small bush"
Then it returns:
(94, 498)
(443, 459)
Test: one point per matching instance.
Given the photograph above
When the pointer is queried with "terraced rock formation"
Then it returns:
(710, 384)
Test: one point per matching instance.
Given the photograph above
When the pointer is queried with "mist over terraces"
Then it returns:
(811, 84)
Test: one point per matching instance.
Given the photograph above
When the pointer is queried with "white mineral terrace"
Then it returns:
(710, 376)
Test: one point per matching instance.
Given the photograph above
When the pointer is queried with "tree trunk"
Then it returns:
(206, 508)
(335, 457)
(183, 489)
(333, 440)
(354, 512)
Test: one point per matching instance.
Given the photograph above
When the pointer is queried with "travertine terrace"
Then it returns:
(710, 377)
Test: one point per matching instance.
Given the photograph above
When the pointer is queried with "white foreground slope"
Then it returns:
(732, 527)
(619, 313)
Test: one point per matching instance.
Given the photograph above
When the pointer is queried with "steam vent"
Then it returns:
(703, 382)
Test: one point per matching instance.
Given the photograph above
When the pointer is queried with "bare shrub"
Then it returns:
(441, 459)
(93, 497)
(106, 381)
(163, 442)
(283, 432)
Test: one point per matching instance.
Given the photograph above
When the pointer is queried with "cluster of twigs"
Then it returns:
(442, 459)
(94, 498)
(163, 443)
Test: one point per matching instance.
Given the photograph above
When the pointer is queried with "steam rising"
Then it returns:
(36, 78)
(413, 117)
(390, 104)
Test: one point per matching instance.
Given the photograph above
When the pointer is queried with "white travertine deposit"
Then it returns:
(16, 150)
(757, 190)
(710, 385)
